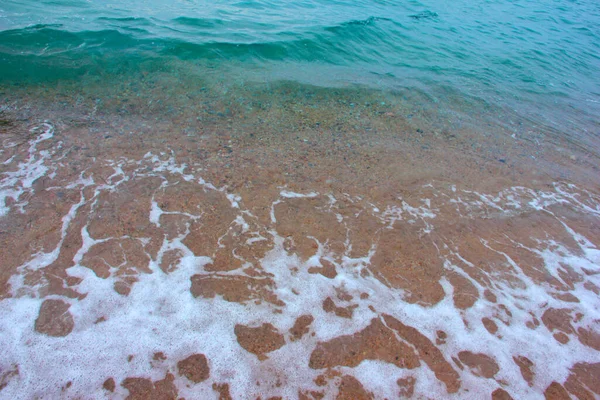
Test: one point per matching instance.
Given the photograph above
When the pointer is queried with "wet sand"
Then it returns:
(307, 249)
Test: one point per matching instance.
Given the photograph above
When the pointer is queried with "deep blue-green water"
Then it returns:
(539, 59)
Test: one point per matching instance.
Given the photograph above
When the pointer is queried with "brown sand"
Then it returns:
(472, 245)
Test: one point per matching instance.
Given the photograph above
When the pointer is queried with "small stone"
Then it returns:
(501, 394)
(479, 363)
(260, 340)
(301, 327)
(561, 337)
(407, 386)
(54, 319)
(352, 388)
(556, 392)
(143, 388)
(223, 390)
(109, 384)
(195, 368)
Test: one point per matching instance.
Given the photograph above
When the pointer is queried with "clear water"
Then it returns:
(539, 58)
(171, 170)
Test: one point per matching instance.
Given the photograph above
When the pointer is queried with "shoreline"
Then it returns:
(275, 253)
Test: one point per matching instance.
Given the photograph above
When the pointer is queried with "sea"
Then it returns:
(311, 199)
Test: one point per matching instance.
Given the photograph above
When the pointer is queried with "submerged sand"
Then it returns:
(233, 257)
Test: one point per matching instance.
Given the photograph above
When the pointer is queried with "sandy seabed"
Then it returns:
(229, 260)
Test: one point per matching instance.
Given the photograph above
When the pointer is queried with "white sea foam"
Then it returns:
(15, 183)
(293, 195)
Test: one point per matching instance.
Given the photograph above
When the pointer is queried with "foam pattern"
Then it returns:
(116, 335)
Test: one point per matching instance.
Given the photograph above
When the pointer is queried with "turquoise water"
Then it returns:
(538, 59)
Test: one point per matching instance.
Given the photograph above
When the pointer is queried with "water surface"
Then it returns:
(307, 199)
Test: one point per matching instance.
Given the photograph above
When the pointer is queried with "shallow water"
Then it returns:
(299, 199)
(537, 59)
